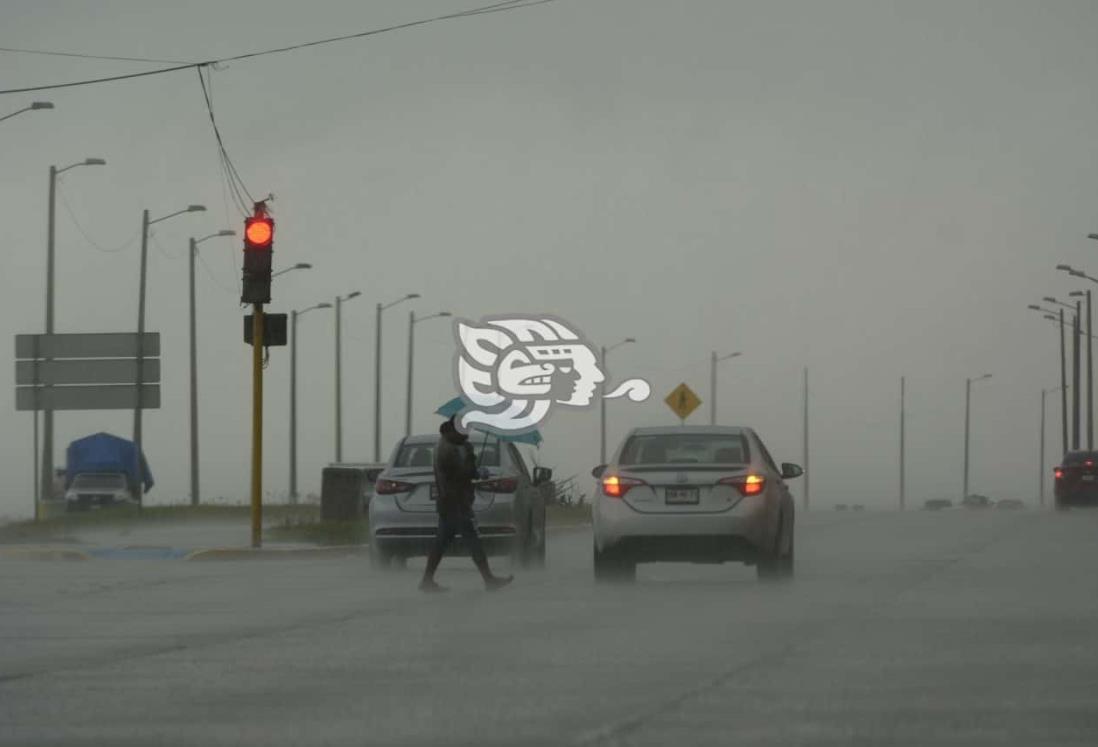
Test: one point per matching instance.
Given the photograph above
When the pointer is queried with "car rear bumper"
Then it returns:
(737, 533)
(412, 533)
(1087, 496)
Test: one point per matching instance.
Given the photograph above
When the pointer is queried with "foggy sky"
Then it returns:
(870, 189)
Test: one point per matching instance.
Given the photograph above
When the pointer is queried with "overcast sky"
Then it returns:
(869, 189)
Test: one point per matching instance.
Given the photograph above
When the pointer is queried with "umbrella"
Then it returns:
(457, 404)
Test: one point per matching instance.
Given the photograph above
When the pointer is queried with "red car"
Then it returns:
(1077, 479)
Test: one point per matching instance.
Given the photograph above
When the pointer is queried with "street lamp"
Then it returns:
(602, 396)
(1058, 317)
(192, 255)
(339, 372)
(1090, 366)
(293, 394)
(46, 485)
(377, 370)
(35, 105)
(1041, 458)
(413, 320)
(137, 424)
(713, 361)
(968, 398)
(298, 266)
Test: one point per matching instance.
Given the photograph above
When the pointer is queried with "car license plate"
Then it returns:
(434, 492)
(1087, 478)
(681, 496)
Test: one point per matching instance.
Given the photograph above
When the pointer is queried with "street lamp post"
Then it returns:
(1058, 319)
(412, 322)
(137, 434)
(713, 361)
(377, 369)
(192, 255)
(1090, 369)
(602, 396)
(293, 395)
(903, 434)
(968, 400)
(339, 372)
(35, 105)
(46, 484)
(298, 266)
(1041, 457)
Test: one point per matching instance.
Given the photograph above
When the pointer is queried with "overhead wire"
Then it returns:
(87, 236)
(236, 184)
(496, 7)
(83, 56)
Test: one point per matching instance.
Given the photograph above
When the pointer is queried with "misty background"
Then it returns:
(869, 189)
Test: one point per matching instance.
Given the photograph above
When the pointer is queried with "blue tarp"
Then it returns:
(103, 452)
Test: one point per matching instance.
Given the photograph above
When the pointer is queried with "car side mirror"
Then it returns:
(542, 475)
(597, 471)
(789, 470)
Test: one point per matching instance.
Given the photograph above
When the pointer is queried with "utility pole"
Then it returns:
(902, 435)
(807, 472)
(713, 388)
(602, 408)
(293, 406)
(338, 380)
(1090, 378)
(1075, 373)
(137, 434)
(408, 394)
(1063, 387)
(195, 497)
(968, 401)
(257, 425)
(44, 487)
(377, 383)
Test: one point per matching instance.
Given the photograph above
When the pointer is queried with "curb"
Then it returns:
(262, 553)
(42, 553)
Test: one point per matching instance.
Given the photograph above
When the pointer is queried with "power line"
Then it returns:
(483, 10)
(87, 237)
(235, 182)
(83, 56)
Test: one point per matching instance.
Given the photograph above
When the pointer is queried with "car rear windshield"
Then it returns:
(99, 482)
(422, 454)
(1079, 457)
(708, 448)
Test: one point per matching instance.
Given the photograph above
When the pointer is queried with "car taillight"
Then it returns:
(746, 484)
(616, 486)
(498, 485)
(388, 487)
(1057, 473)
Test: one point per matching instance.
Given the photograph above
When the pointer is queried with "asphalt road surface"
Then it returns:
(975, 628)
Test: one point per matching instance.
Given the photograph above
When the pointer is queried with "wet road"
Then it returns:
(914, 629)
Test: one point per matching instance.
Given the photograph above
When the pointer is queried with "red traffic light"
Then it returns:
(258, 232)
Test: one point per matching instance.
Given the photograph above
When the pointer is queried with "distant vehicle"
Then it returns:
(937, 504)
(1076, 482)
(1010, 504)
(857, 507)
(104, 470)
(976, 501)
(840, 506)
(509, 507)
(371, 471)
(694, 494)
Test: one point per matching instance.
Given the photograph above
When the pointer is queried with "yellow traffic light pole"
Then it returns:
(257, 425)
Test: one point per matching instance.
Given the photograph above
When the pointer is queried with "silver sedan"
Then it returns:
(696, 494)
(509, 506)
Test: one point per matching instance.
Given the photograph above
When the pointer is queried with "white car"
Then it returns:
(695, 494)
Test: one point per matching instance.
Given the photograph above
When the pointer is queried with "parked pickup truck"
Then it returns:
(104, 470)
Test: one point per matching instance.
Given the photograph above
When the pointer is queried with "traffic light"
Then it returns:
(258, 239)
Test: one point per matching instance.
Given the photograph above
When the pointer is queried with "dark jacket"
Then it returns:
(455, 470)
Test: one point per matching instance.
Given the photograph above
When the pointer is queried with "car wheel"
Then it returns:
(774, 565)
(612, 566)
(379, 558)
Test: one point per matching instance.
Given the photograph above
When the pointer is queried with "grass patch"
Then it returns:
(558, 515)
(297, 529)
(58, 527)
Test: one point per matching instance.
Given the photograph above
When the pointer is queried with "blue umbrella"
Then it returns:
(457, 404)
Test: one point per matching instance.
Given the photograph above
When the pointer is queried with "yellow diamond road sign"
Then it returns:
(682, 400)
